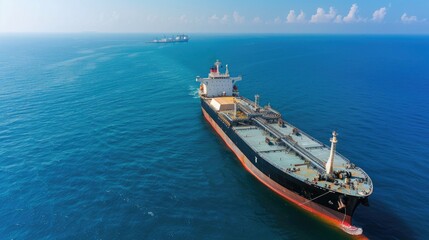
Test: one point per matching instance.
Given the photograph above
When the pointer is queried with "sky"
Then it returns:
(216, 16)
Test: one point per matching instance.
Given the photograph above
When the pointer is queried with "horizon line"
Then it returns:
(215, 33)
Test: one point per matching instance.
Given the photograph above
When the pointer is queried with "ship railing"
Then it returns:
(293, 145)
(248, 108)
(225, 118)
(249, 103)
(274, 111)
(367, 178)
(247, 111)
(244, 109)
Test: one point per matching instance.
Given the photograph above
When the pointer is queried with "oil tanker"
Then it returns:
(290, 162)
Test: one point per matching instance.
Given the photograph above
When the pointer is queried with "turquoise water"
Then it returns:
(101, 136)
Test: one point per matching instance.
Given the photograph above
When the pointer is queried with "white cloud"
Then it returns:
(408, 19)
(338, 19)
(301, 17)
(257, 20)
(216, 19)
(352, 15)
(379, 14)
(277, 20)
(237, 17)
(322, 17)
(292, 18)
(224, 19)
(199, 20)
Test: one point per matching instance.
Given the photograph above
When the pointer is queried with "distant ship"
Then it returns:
(290, 162)
(172, 39)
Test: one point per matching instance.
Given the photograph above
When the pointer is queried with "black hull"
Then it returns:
(321, 202)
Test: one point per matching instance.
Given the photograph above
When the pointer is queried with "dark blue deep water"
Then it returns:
(102, 137)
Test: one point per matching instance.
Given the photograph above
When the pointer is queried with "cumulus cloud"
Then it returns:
(408, 19)
(257, 20)
(237, 17)
(379, 15)
(338, 19)
(216, 19)
(292, 18)
(224, 19)
(352, 15)
(322, 17)
(301, 17)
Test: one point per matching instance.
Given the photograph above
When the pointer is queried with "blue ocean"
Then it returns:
(102, 136)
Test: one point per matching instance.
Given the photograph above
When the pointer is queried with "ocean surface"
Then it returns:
(102, 136)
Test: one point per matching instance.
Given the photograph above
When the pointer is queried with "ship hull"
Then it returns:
(321, 202)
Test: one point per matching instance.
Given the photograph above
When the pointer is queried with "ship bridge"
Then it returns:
(218, 84)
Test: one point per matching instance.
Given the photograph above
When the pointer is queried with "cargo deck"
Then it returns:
(288, 148)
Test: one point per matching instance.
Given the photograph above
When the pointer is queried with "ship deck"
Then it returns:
(290, 149)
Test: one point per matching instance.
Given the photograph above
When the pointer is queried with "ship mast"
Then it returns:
(217, 64)
(330, 164)
(256, 101)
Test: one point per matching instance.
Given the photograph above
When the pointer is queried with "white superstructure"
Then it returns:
(218, 84)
